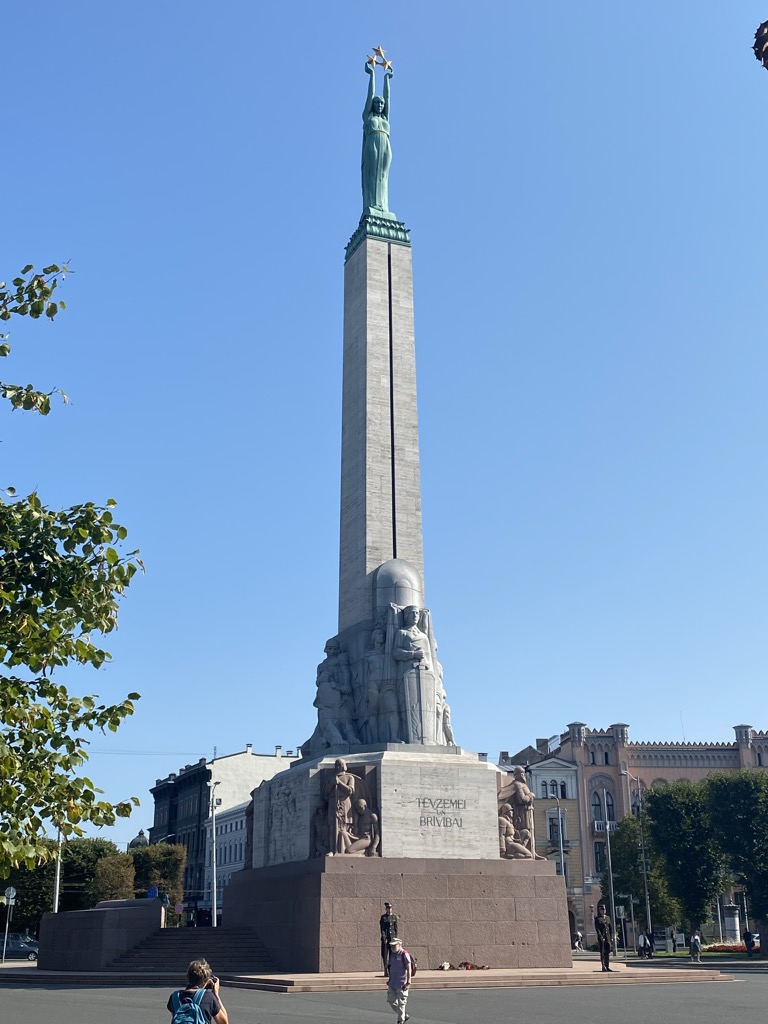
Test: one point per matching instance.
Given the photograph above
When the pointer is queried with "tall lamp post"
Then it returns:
(610, 873)
(57, 873)
(634, 778)
(553, 788)
(214, 889)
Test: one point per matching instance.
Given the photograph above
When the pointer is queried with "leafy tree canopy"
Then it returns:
(114, 878)
(626, 859)
(680, 828)
(62, 574)
(738, 807)
(161, 865)
(30, 294)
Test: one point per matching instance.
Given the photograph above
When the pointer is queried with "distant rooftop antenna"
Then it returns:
(215, 750)
(682, 726)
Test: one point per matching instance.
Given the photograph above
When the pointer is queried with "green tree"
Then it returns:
(34, 895)
(738, 809)
(114, 878)
(161, 865)
(680, 829)
(79, 861)
(626, 858)
(62, 575)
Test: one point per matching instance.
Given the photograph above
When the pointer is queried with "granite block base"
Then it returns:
(322, 915)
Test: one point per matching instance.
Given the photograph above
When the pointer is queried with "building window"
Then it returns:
(563, 794)
(544, 793)
(597, 810)
(599, 867)
(609, 805)
(554, 838)
(759, 759)
(606, 758)
(592, 757)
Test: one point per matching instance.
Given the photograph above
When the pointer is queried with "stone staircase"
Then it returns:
(169, 950)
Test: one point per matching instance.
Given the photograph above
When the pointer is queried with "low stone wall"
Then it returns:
(89, 940)
(322, 915)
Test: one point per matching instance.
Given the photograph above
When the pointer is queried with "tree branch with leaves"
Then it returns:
(62, 575)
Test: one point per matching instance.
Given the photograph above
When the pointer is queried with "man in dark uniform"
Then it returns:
(388, 929)
(604, 930)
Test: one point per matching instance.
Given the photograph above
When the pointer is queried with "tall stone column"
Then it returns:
(380, 681)
(380, 481)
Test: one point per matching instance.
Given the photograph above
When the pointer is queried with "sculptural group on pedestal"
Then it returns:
(393, 694)
(517, 838)
(345, 823)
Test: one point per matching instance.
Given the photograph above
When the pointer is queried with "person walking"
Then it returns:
(388, 930)
(650, 944)
(749, 942)
(696, 948)
(604, 929)
(641, 945)
(399, 979)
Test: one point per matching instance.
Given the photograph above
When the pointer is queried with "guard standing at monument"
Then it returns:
(388, 929)
(604, 930)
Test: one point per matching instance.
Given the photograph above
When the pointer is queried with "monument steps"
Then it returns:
(580, 974)
(228, 950)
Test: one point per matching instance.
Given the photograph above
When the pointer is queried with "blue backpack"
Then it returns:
(188, 1013)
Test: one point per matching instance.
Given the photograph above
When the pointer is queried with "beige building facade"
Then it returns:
(591, 778)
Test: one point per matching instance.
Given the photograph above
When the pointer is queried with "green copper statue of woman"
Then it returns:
(377, 154)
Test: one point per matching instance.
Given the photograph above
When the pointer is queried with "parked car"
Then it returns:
(17, 950)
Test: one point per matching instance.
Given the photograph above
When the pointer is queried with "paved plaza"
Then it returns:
(710, 1003)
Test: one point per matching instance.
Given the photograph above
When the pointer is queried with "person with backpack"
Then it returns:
(399, 970)
(199, 1002)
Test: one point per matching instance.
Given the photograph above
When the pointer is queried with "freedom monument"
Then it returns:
(383, 804)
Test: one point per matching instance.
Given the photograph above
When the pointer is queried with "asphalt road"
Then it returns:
(706, 1003)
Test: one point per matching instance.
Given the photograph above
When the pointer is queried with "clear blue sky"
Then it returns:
(585, 188)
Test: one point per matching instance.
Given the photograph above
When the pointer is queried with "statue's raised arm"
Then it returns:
(371, 91)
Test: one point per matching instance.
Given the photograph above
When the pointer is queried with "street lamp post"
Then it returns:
(634, 778)
(610, 872)
(57, 874)
(214, 889)
(553, 788)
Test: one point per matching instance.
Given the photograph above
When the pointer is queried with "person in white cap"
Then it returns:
(399, 979)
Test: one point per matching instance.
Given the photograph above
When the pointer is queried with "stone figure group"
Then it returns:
(517, 838)
(392, 693)
(345, 823)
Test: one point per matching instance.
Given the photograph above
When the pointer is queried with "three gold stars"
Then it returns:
(379, 59)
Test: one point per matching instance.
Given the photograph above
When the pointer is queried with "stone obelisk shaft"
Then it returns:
(380, 480)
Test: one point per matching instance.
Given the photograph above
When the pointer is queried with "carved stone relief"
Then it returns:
(517, 837)
(390, 691)
(351, 822)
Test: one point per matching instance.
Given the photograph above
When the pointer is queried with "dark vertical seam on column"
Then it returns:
(392, 402)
